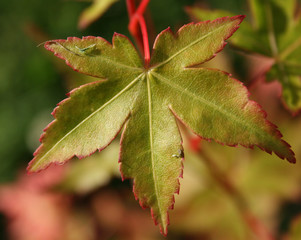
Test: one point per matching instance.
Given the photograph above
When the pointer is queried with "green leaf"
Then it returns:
(291, 85)
(276, 34)
(242, 39)
(95, 11)
(147, 100)
(279, 13)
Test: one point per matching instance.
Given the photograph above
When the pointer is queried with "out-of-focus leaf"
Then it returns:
(210, 213)
(275, 33)
(83, 176)
(295, 231)
(146, 99)
(95, 11)
(34, 212)
(79, 225)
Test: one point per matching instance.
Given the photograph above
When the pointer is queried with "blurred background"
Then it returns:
(86, 199)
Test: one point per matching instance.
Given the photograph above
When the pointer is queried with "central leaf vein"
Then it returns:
(150, 119)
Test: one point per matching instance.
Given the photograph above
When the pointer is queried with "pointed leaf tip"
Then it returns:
(182, 49)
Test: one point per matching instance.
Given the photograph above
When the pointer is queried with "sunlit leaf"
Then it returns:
(146, 100)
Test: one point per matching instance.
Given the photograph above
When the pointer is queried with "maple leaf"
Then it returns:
(276, 34)
(147, 100)
(95, 11)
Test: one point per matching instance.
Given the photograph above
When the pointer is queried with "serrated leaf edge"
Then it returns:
(54, 115)
(175, 35)
(59, 41)
(163, 230)
(264, 115)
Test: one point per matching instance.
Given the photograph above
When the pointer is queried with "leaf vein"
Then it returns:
(188, 46)
(99, 56)
(90, 116)
(202, 100)
(151, 142)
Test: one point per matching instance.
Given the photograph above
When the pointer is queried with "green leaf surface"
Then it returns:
(274, 33)
(95, 11)
(242, 39)
(148, 100)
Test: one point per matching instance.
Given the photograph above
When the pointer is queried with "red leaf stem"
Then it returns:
(135, 17)
(135, 33)
(195, 143)
(145, 39)
(131, 8)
